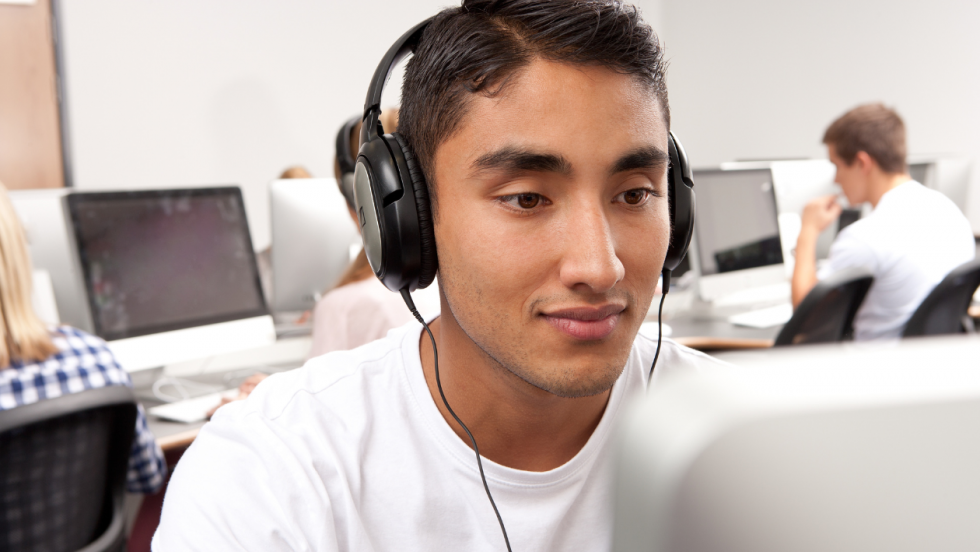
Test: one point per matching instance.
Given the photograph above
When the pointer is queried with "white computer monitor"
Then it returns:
(312, 239)
(847, 447)
(52, 249)
(736, 232)
(170, 275)
(796, 182)
(949, 175)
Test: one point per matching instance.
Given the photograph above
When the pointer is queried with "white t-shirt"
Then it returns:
(911, 241)
(361, 312)
(351, 453)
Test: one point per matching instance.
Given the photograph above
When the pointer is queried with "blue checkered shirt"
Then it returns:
(83, 362)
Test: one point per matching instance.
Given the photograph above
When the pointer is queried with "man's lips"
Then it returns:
(586, 323)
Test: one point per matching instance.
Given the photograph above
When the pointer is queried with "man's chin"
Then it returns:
(572, 380)
(578, 368)
(577, 388)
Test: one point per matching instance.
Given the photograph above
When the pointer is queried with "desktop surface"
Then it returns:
(220, 373)
(710, 324)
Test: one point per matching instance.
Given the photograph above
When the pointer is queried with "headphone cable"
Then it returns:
(407, 297)
(664, 288)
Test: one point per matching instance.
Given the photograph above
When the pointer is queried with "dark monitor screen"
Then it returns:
(737, 223)
(164, 260)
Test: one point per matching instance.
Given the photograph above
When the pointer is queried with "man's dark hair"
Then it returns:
(873, 129)
(478, 47)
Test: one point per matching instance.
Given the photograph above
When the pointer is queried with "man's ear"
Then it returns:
(865, 162)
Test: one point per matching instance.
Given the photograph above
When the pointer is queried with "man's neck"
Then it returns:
(514, 423)
(882, 183)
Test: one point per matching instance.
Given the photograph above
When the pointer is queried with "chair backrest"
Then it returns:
(63, 465)
(942, 311)
(825, 315)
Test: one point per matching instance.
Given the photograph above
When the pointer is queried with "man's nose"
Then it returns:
(590, 258)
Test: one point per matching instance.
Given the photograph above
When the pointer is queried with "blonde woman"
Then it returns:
(38, 362)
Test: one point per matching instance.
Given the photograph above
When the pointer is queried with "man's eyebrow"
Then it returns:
(647, 157)
(512, 159)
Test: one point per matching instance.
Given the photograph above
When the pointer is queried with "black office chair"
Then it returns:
(826, 313)
(943, 311)
(63, 465)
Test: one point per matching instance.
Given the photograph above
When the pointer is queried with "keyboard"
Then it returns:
(191, 410)
(764, 318)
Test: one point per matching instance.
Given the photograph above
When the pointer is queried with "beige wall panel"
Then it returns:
(30, 140)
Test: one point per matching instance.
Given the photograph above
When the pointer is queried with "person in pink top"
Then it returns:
(359, 309)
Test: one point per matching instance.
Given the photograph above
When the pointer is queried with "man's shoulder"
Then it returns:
(910, 211)
(914, 201)
(674, 356)
(333, 379)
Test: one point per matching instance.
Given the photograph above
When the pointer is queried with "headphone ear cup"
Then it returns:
(680, 182)
(429, 263)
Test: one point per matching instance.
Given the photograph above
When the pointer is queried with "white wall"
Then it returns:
(764, 78)
(185, 92)
(233, 91)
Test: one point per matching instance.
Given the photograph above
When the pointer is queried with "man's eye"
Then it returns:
(528, 201)
(524, 201)
(634, 197)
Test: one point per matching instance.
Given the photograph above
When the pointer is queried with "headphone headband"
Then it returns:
(372, 105)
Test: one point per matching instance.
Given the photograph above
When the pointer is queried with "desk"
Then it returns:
(173, 435)
(704, 327)
(711, 332)
(224, 371)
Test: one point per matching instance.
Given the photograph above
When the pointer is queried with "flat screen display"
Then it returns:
(164, 260)
(737, 224)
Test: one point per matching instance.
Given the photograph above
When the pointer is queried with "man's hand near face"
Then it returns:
(818, 214)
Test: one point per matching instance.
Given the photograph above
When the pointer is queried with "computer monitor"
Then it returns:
(949, 175)
(839, 447)
(170, 275)
(312, 237)
(919, 171)
(736, 231)
(52, 248)
(796, 182)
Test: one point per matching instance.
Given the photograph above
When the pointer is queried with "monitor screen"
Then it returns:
(163, 260)
(736, 224)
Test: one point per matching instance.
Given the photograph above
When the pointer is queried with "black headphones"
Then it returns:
(346, 161)
(392, 199)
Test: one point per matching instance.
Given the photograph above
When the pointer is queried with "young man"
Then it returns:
(542, 129)
(914, 237)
